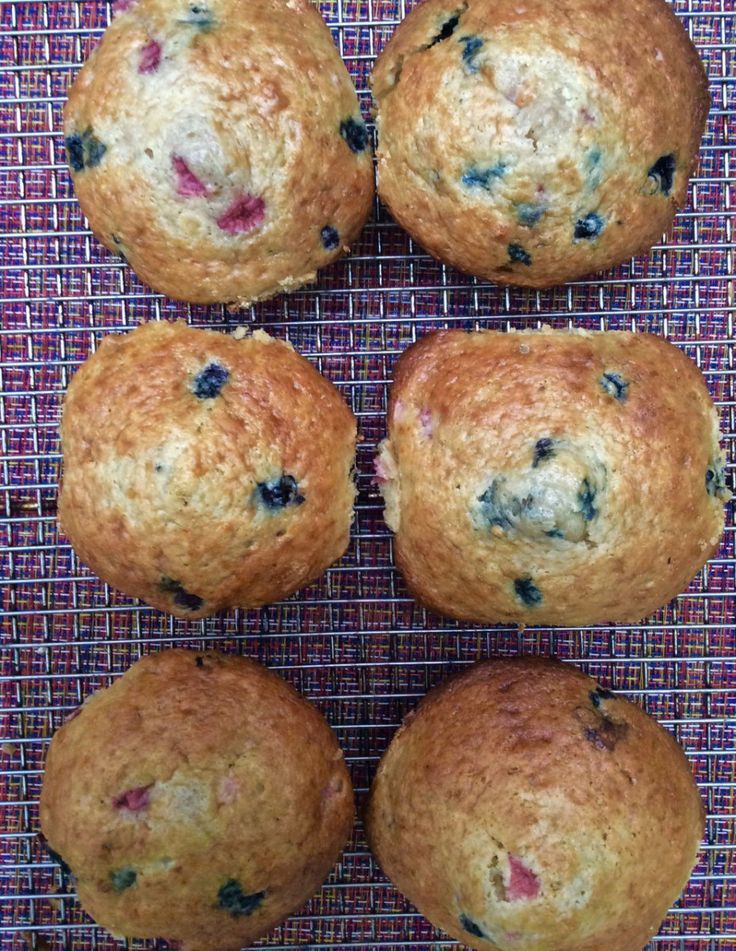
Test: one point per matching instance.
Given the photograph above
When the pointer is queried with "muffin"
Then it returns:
(532, 143)
(524, 808)
(218, 147)
(550, 477)
(201, 471)
(199, 798)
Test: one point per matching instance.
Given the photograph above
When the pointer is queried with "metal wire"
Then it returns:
(355, 643)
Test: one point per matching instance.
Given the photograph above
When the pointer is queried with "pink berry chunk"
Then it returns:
(187, 183)
(150, 57)
(244, 214)
(523, 883)
(134, 800)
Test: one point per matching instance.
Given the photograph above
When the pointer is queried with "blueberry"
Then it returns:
(74, 152)
(330, 238)
(599, 694)
(715, 480)
(279, 493)
(586, 499)
(527, 592)
(593, 163)
(54, 856)
(554, 533)
(448, 28)
(93, 149)
(182, 597)
(518, 254)
(471, 45)
(662, 173)
(123, 878)
(200, 16)
(355, 134)
(529, 214)
(467, 924)
(209, 382)
(232, 898)
(615, 385)
(606, 735)
(494, 510)
(476, 177)
(543, 449)
(588, 227)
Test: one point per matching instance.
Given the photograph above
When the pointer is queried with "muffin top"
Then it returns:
(531, 143)
(218, 146)
(203, 471)
(199, 798)
(558, 477)
(523, 807)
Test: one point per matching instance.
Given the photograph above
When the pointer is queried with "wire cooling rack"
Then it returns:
(355, 643)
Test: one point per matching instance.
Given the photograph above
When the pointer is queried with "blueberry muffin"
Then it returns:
(523, 808)
(550, 477)
(201, 471)
(535, 142)
(218, 146)
(199, 799)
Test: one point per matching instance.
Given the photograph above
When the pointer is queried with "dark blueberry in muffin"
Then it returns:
(518, 254)
(355, 134)
(209, 382)
(182, 598)
(330, 238)
(527, 592)
(471, 46)
(123, 878)
(662, 173)
(74, 152)
(279, 493)
(588, 227)
(467, 924)
(615, 385)
(543, 449)
(232, 898)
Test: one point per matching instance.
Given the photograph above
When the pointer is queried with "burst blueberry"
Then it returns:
(232, 898)
(588, 227)
(355, 134)
(74, 152)
(519, 255)
(200, 16)
(543, 449)
(471, 47)
(527, 592)
(662, 173)
(467, 924)
(93, 149)
(715, 480)
(209, 382)
(182, 598)
(594, 167)
(123, 878)
(615, 385)
(494, 509)
(586, 500)
(476, 177)
(528, 214)
(448, 28)
(330, 238)
(279, 493)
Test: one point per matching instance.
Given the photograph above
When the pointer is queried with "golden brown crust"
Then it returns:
(550, 477)
(194, 770)
(502, 125)
(162, 491)
(249, 99)
(523, 809)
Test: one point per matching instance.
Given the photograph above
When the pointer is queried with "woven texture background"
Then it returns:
(354, 643)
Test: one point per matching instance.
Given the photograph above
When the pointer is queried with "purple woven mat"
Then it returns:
(355, 643)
